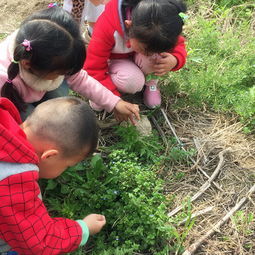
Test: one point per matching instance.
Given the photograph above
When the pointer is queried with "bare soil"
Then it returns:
(12, 12)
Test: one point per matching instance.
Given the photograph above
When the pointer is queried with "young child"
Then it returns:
(46, 50)
(85, 12)
(133, 38)
(59, 133)
(88, 10)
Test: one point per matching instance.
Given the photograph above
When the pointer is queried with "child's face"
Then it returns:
(139, 47)
(49, 76)
(54, 165)
(46, 76)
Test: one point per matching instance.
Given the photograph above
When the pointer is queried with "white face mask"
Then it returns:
(38, 83)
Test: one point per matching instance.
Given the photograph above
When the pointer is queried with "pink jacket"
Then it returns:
(80, 82)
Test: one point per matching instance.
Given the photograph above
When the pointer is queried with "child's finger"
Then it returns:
(134, 109)
(101, 217)
(161, 61)
(164, 54)
(160, 69)
(131, 118)
(160, 73)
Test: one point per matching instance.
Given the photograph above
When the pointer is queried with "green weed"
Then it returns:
(221, 64)
(2, 36)
(245, 223)
(147, 148)
(127, 193)
(126, 189)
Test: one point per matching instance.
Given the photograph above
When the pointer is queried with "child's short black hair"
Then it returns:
(156, 23)
(68, 122)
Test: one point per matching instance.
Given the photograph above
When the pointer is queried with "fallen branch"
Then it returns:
(103, 124)
(215, 228)
(171, 127)
(161, 132)
(199, 148)
(205, 186)
(181, 144)
(194, 215)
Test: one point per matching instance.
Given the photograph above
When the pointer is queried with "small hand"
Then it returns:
(124, 111)
(98, 2)
(164, 64)
(95, 222)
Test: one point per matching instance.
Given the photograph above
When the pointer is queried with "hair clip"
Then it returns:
(27, 45)
(9, 81)
(183, 16)
(50, 5)
(14, 61)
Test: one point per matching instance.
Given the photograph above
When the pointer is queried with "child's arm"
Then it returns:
(98, 54)
(26, 225)
(179, 51)
(96, 92)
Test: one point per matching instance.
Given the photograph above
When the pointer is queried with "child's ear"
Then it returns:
(49, 154)
(25, 64)
(128, 23)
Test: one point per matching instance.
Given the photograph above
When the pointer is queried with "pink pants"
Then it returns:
(129, 75)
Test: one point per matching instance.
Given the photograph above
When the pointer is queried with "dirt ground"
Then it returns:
(220, 143)
(12, 12)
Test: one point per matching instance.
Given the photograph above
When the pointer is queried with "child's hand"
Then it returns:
(164, 64)
(98, 2)
(95, 222)
(124, 111)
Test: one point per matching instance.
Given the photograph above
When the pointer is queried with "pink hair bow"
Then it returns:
(27, 45)
(50, 5)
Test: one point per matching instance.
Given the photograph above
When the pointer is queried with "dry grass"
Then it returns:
(210, 134)
(12, 12)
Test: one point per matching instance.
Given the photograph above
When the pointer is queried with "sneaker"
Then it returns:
(95, 106)
(151, 95)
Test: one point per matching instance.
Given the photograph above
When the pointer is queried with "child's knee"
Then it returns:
(135, 83)
(131, 83)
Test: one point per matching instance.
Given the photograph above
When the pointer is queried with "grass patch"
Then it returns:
(125, 188)
(220, 69)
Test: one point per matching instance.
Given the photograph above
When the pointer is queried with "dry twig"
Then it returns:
(215, 228)
(181, 144)
(205, 186)
(193, 215)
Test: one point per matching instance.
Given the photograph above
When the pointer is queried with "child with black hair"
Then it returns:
(133, 38)
(44, 52)
(59, 133)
